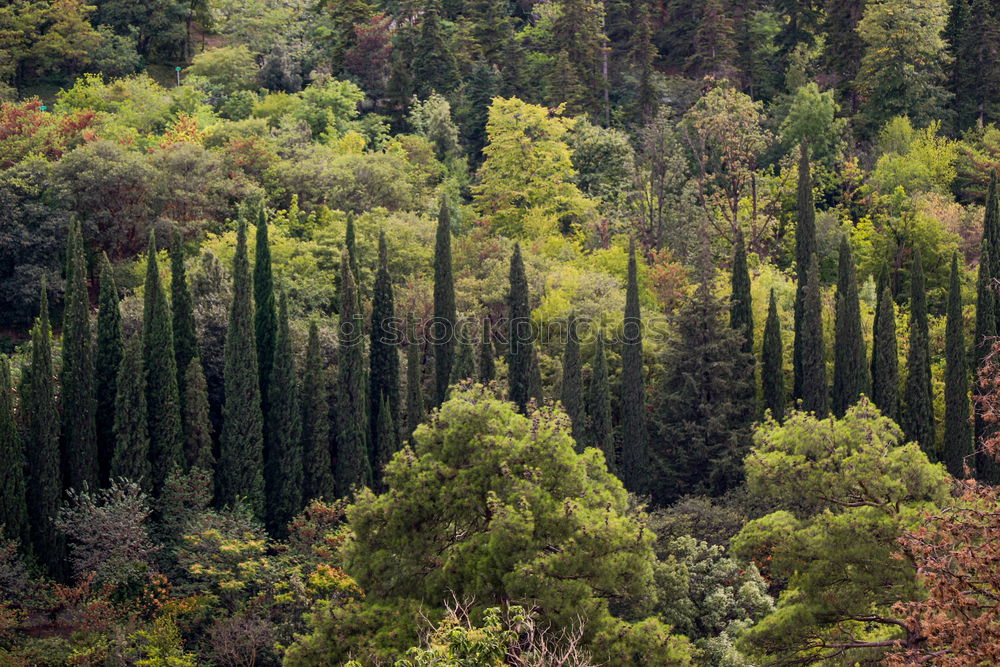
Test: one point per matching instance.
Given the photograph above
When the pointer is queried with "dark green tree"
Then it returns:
(283, 469)
(973, 32)
(814, 389)
(805, 248)
(465, 361)
(442, 329)
(110, 349)
(918, 418)
(741, 320)
(433, 64)
(773, 363)
(850, 361)
(383, 349)
(571, 393)
(13, 501)
(885, 360)
(957, 446)
(535, 389)
(160, 364)
(265, 317)
(197, 421)
(487, 365)
(520, 335)
(351, 244)
(80, 467)
(131, 457)
(239, 473)
(182, 308)
(414, 384)
(353, 465)
(602, 435)
(386, 441)
(987, 468)
(635, 442)
(318, 463)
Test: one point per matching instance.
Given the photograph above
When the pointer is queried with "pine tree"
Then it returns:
(131, 457)
(442, 329)
(383, 350)
(41, 417)
(602, 434)
(182, 307)
(918, 420)
(110, 349)
(318, 464)
(77, 378)
(13, 499)
(814, 389)
(239, 472)
(283, 470)
(434, 66)
(386, 440)
(162, 399)
(520, 339)
(741, 320)
(265, 317)
(957, 446)
(805, 248)
(487, 365)
(885, 362)
(850, 367)
(634, 436)
(197, 424)
(571, 395)
(772, 363)
(353, 465)
(414, 388)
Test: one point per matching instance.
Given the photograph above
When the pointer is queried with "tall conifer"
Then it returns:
(519, 338)
(635, 455)
(414, 388)
(487, 365)
(885, 360)
(571, 394)
(957, 446)
(182, 308)
(850, 361)
(264, 313)
(318, 463)
(918, 420)
(283, 472)
(813, 361)
(383, 349)
(386, 441)
(805, 248)
(987, 468)
(599, 406)
(197, 421)
(442, 329)
(353, 465)
(13, 499)
(110, 349)
(535, 390)
(240, 469)
(131, 457)
(465, 361)
(773, 363)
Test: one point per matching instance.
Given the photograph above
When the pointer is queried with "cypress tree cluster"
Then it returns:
(131, 457)
(13, 504)
(805, 249)
(108, 357)
(197, 422)
(571, 394)
(318, 478)
(885, 360)
(957, 446)
(239, 473)
(383, 351)
(182, 307)
(918, 421)
(442, 329)
(283, 471)
(809, 342)
(354, 468)
(850, 361)
(520, 346)
(487, 365)
(634, 436)
(772, 363)
(79, 427)
(599, 406)
(265, 318)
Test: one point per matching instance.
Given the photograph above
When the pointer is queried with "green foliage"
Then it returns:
(131, 458)
(353, 468)
(812, 118)
(442, 329)
(284, 464)
(814, 388)
(196, 418)
(265, 314)
(850, 363)
(601, 434)
(13, 507)
(957, 452)
(571, 391)
(222, 71)
(487, 363)
(773, 363)
(316, 446)
(635, 439)
(885, 361)
(383, 354)
(182, 309)
(917, 161)
(107, 358)
(520, 333)
(414, 385)
(918, 399)
(805, 248)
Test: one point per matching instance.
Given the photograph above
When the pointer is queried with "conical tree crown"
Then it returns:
(520, 334)
(805, 248)
(110, 349)
(487, 364)
(317, 459)
(131, 457)
(814, 388)
(635, 455)
(772, 363)
(442, 329)
(353, 465)
(850, 361)
(957, 449)
(13, 499)
(885, 360)
(918, 420)
(283, 473)
(599, 406)
(383, 348)
(571, 394)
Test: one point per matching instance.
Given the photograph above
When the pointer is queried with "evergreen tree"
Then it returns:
(885, 362)
(197, 423)
(814, 389)
(535, 391)
(465, 362)
(318, 464)
(442, 329)
(351, 244)
(283, 470)
(850, 367)
(162, 399)
(110, 349)
(714, 45)
(918, 420)
(386, 440)
(520, 343)
(414, 389)
(13, 501)
(772, 363)
(741, 320)
(957, 447)
(41, 418)
(433, 64)
(987, 468)
(79, 406)
(131, 457)
(353, 465)
(383, 350)
(602, 434)
(805, 248)
(634, 435)
(239, 473)
(265, 317)
(182, 307)
(973, 33)
(487, 365)
(571, 395)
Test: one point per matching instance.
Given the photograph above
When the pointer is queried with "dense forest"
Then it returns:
(545, 333)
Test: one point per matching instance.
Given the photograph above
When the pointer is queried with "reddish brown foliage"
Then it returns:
(25, 130)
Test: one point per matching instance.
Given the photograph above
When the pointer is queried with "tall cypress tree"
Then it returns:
(805, 248)
(850, 361)
(487, 365)
(265, 317)
(182, 307)
(740, 301)
(813, 361)
(885, 362)
(284, 466)
(535, 390)
(987, 468)
(386, 441)
(957, 447)
(414, 389)
(571, 394)
(918, 420)
(465, 362)
(353, 466)
(318, 464)
(79, 406)
(383, 349)
(197, 422)
(635, 455)
(41, 418)
(162, 399)
(599, 406)
(240, 469)
(520, 343)
(13, 501)
(443, 327)
(110, 349)
(772, 363)
(131, 457)
(350, 242)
